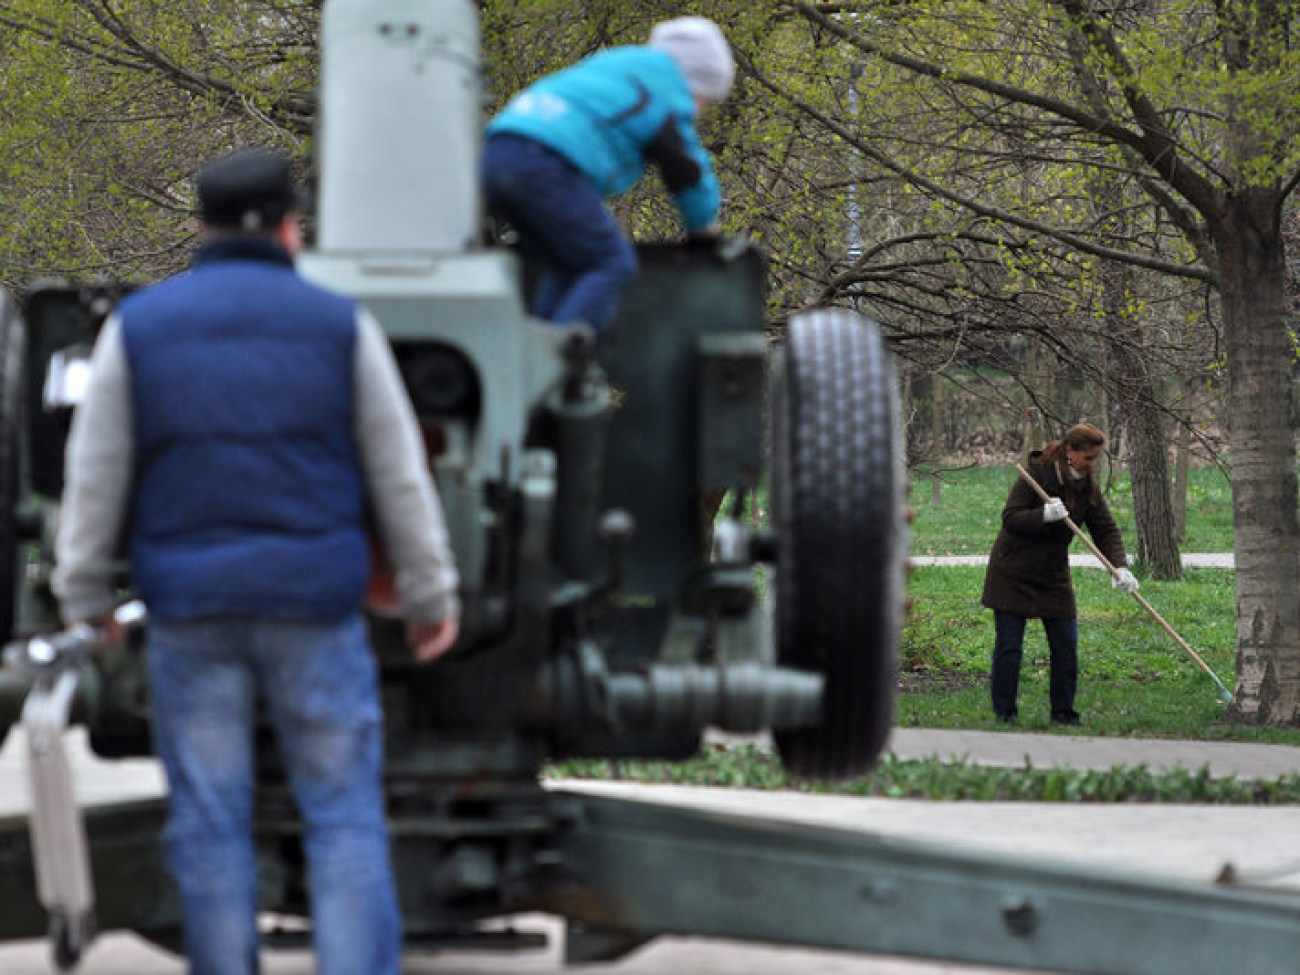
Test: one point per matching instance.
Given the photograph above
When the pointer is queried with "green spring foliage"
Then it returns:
(754, 767)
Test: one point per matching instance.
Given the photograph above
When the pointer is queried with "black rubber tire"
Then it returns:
(837, 500)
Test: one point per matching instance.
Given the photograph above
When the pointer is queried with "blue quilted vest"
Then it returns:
(249, 497)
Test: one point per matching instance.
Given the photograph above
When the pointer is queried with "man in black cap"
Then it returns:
(238, 425)
(251, 190)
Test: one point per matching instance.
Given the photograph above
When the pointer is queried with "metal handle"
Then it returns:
(48, 655)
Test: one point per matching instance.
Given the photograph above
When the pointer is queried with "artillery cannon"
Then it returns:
(574, 477)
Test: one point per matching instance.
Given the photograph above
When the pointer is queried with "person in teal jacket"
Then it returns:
(587, 132)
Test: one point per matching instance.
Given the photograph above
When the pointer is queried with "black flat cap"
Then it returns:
(249, 189)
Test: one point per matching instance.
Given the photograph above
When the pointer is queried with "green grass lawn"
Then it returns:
(1134, 678)
(751, 767)
(964, 520)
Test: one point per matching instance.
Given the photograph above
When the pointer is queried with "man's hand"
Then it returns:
(114, 628)
(1054, 510)
(705, 235)
(111, 633)
(108, 631)
(429, 641)
(721, 247)
(1126, 580)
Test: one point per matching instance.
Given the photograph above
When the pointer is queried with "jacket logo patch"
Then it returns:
(642, 100)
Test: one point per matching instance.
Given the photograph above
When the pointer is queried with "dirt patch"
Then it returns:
(929, 681)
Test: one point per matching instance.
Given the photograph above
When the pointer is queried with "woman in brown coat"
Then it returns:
(1029, 568)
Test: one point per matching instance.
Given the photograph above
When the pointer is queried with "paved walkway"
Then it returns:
(1086, 560)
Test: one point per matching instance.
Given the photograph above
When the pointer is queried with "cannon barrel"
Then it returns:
(399, 127)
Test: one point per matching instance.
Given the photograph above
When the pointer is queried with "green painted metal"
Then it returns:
(13, 691)
(636, 870)
(653, 361)
(733, 374)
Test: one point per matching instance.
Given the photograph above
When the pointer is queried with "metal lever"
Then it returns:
(59, 848)
(58, 832)
(42, 658)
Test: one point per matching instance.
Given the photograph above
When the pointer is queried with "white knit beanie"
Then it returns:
(700, 50)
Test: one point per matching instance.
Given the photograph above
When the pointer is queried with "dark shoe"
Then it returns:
(1068, 718)
(1007, 717)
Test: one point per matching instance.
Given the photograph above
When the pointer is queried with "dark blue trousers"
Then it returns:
(1063, 674)
(562, 224)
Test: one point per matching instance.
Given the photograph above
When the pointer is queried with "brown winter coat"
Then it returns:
(1029, 567)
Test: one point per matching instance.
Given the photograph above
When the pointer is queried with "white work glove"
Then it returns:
(1126, 580)
(1054, 510)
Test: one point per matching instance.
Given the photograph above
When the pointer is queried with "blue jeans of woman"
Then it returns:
(563, 225)
(1063, 672)
(318, 684)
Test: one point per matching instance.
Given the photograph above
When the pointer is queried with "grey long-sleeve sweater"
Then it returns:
(100, 472)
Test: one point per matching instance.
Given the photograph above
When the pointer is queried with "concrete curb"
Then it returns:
(1244, 760)
(1007, 749)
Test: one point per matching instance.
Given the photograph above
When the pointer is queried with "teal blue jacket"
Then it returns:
(613, 113)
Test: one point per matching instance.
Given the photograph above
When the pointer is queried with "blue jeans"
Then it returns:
(320, 689)
(563, 225)
(1063, 673)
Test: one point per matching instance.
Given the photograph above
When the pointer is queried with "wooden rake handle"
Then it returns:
(1038, 488)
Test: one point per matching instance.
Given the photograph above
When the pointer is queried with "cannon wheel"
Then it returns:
(837, 497)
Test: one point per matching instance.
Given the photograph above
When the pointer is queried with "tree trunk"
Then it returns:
(1264, 493)
(923, 412)
(1182, 468)
(1031, 436)
(1152, 516)
(1075, 396)
(1037, 426)
(1144, 423)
